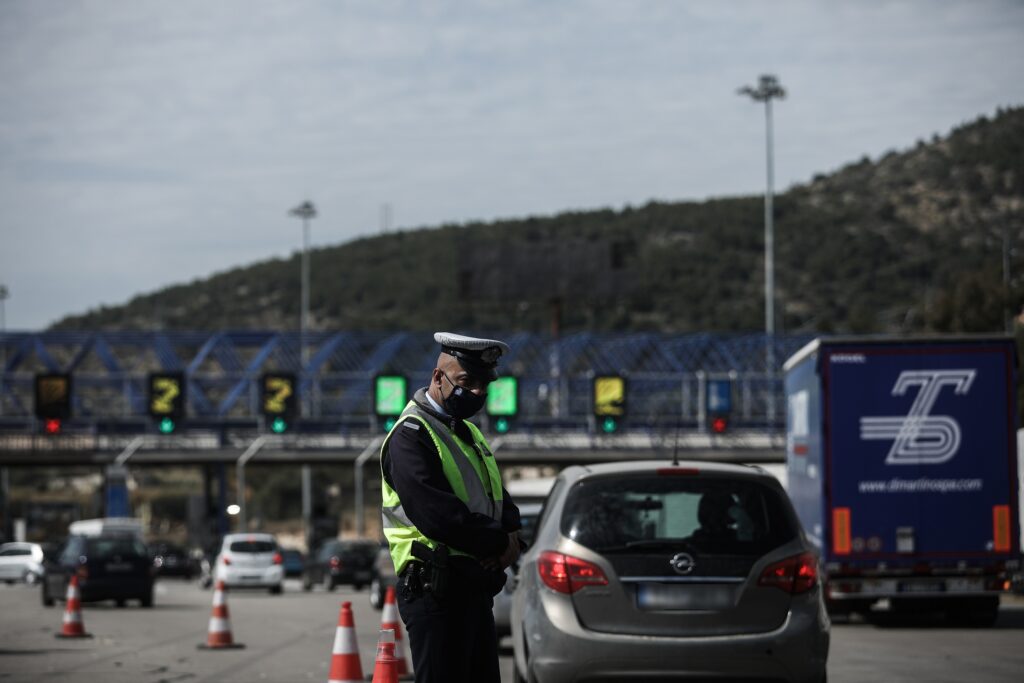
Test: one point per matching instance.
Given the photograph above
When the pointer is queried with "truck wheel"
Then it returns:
(977, 612)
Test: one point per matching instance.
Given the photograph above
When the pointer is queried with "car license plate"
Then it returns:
(922, 587)
(118, 567)
(675, 596)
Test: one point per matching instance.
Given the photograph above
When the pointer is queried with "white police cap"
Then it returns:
(475, 355)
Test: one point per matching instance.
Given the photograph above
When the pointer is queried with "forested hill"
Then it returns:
(909, 242)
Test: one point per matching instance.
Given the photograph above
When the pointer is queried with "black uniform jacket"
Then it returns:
(412, 467)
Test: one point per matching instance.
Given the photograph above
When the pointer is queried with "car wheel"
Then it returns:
(47, 600)
(276, 590)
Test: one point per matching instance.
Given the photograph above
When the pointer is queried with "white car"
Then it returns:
(250, 561)
(21, 562)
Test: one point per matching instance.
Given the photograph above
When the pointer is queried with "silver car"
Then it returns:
(502, 607)
(21, 562)
(654, 571)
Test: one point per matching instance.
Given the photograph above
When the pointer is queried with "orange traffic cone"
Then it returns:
(385, 669)
(345, 665)
(390, 620)
(73, 627)
(218, 635)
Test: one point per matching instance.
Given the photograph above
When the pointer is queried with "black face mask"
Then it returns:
(462, 403)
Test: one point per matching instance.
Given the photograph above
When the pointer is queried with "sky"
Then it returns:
(149, 143)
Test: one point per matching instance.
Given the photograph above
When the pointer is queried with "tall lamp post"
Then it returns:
(768, 88)
(5, 484)
(5, 294)
(306, 211)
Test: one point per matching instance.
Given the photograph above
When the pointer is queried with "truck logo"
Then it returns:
(920, 438)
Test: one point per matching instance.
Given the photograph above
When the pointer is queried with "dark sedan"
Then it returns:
(341, 562)
(171, 559)
(115, 568)
(294, 562)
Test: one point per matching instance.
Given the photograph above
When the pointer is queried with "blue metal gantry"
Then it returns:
(222, 370)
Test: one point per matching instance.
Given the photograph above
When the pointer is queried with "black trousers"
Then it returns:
(452, 641)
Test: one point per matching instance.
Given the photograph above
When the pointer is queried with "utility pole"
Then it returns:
(768, 88)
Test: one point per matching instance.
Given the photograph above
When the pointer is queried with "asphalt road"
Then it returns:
(289, 638)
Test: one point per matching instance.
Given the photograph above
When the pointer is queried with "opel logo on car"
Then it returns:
(682, 563)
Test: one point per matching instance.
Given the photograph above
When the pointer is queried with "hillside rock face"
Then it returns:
(911, 242)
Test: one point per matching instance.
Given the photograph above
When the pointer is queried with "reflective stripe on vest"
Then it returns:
(464, 478)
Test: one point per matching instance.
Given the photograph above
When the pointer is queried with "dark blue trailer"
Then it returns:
(901, 458)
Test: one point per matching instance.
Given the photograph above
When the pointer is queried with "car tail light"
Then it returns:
(568, 574)
(797, 574)
(227, 560)
(335, 561)
(278, 559)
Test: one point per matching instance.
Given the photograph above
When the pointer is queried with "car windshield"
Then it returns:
(252, 547)
(360, 550)
(107, 547)
(634, 513)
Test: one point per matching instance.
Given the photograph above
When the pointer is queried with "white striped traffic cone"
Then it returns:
(218, 636)
(73, 626)
(385, 667)
(345, 664)
(390, 619)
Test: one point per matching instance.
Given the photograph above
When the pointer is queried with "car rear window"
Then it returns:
(107, 547)
(361, 550)
(252, 547)
(713, 515)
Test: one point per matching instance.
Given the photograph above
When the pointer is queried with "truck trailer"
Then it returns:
(901, 460)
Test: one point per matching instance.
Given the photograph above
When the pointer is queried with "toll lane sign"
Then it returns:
(167, 394)
(610, 396)
(278, 395)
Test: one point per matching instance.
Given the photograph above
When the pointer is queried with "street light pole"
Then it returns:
(767, 89)
(5, 294)
(306, 211)
(5, 482)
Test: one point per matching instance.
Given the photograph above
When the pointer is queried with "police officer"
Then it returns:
(451, 526)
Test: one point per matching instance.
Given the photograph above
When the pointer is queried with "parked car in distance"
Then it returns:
(21, 562)
(250, 560)
(651, 570)
(339, 562)
(171, 559)
(528, 513)
(108, 566)
(294, 562)
(383, 576)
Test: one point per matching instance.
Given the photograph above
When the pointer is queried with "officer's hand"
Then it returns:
(511, 553)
